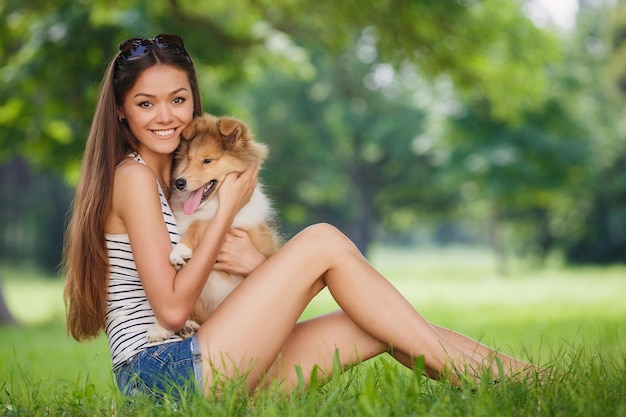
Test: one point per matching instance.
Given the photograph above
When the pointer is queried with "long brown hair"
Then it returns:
(85, 260)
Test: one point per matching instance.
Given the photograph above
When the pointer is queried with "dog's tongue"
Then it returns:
(194, 200)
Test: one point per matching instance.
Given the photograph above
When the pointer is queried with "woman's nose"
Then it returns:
(164, 114)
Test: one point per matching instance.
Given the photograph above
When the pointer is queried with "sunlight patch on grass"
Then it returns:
(45, 352)
(31, 297)
(466, 278)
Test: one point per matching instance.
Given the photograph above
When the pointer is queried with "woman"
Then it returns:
(119, 278)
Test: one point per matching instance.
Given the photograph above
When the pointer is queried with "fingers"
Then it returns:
(252, 170)
(251, 174)
(237, 188)
(233, 240)
(237, 254)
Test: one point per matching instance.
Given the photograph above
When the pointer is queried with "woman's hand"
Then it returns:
(237, 254)
(237, 189)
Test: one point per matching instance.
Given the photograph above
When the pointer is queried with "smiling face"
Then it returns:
(158, 108)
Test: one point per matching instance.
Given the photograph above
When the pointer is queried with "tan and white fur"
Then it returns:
(211, 147)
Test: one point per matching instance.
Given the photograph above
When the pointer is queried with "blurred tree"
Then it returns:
(342, 143)
(52, 54)
(519, 174)
(600, 234)
(540, 178)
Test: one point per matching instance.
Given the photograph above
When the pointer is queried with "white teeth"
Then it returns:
(163, 132)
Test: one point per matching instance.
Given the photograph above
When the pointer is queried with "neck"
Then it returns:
(161, 165)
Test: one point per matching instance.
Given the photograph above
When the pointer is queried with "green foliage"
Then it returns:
(589, 388)
(53, 54)
(597, 215)
(554, 179)
(482, 46)
(522, 174)
(346, 145)
(354, 98)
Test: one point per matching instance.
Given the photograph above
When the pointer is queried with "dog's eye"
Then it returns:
(206, 161)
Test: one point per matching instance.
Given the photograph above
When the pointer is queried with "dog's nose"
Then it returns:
(180, 183)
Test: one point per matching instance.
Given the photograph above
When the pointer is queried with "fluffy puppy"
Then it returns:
(212, 147)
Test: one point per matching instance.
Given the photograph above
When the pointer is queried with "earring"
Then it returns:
(120, 118)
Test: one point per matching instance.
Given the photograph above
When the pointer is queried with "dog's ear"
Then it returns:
(232, 131)
(197, 125)
(189, 132)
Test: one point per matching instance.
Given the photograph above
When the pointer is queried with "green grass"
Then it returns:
(574, 320)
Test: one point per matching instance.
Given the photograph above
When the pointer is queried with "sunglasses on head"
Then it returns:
(134, 48)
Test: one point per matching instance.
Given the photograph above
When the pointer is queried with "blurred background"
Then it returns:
(493, 124)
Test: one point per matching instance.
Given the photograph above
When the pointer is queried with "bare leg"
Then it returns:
(256, 322)
(314, 342)
(482, 352)
(313, 345)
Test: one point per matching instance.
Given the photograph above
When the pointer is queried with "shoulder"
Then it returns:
(134, 182)
(135, 193)
(132, 171)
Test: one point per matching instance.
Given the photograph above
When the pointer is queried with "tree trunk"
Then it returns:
(361, 229)
(5, 315)
(496, 240)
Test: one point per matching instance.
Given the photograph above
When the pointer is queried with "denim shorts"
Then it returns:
(174, 368)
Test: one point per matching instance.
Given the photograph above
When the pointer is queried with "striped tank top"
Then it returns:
(128, 314)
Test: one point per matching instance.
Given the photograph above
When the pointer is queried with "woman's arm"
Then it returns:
(136, 202)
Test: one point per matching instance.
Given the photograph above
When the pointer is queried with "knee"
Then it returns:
(327, 237)
(323, 232)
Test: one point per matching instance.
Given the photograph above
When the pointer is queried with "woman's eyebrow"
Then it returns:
(178, 90)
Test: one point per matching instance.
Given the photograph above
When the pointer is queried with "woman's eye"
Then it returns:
(178, 100)
(144, 104)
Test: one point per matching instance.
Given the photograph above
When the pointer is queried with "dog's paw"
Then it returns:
(180, 255)
(190, 328)
(156, 333)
